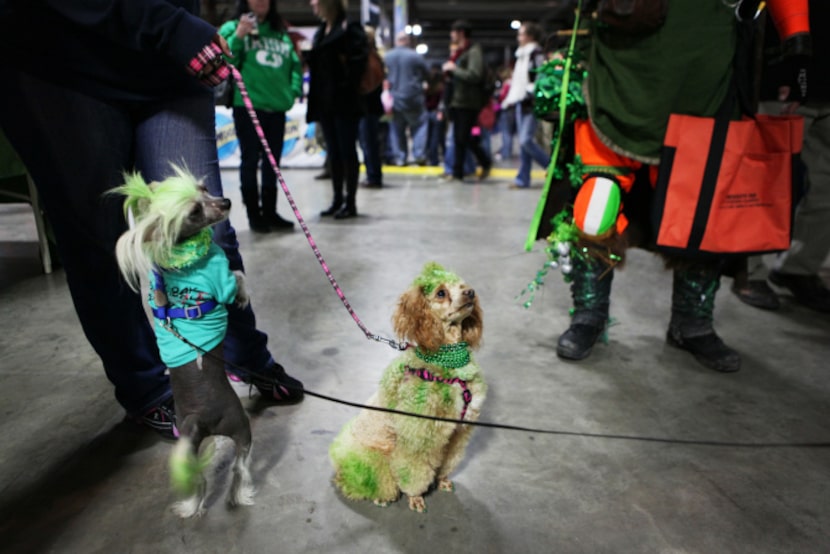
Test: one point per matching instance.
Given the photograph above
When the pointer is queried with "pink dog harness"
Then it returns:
(423, 373)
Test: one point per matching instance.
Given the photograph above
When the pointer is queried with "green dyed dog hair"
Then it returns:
(433, 275)
(358, 479)
(159, 210)
(186, 468)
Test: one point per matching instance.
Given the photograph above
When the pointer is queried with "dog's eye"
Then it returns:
(441, 293)
(197, 210)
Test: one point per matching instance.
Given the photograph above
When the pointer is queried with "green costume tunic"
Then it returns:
(685, 67)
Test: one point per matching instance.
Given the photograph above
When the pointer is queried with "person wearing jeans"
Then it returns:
(408, 71)
(529, 56)
(77, 132)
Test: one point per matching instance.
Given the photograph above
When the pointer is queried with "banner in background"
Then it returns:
(300, 147)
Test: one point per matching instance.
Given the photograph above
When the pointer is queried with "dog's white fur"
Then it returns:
(165, 214)
(378, 455)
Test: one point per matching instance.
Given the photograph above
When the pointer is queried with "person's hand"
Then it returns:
(448, 67)
(208, 65)
(220, 41)
(246, 24)
(787, 108)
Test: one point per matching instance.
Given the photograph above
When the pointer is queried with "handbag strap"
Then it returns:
(712, 167)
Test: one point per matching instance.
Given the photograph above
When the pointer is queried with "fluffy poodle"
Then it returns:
(378, 455)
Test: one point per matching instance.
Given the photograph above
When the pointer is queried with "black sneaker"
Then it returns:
(162, 420)
(274, 384)
(808, 290)
(707, 349)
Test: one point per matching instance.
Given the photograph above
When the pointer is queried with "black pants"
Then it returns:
(463, 121)
(341, 148)
(252, 152)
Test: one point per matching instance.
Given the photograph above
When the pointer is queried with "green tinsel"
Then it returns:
(449, 356)
(548, 88)
(564, 233)
(434, 275)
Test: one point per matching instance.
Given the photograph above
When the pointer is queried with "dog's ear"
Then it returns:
(472, 328)
(413, 321)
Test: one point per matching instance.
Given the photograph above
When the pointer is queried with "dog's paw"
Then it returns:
(190, 507)
(242, 298)
(417, 504)
(446, 485)
(380, 503)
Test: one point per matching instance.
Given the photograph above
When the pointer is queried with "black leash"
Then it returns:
(608, 436)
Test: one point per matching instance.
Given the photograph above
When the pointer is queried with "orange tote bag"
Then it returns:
(727, 187)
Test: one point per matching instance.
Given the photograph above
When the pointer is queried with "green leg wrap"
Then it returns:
(693, 299)
(591, 291)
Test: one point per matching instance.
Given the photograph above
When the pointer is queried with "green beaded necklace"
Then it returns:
(189, 251)
(449, 356)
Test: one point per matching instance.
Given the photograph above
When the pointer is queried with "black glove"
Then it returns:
(790, 64)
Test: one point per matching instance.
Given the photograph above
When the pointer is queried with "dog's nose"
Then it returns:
(225, 204)
(470, 293)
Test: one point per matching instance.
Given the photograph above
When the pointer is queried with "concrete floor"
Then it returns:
(77, 478)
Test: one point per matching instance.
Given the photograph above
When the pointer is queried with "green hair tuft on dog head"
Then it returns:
(433, 275)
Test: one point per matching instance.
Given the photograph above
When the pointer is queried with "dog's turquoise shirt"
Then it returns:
(208, 278)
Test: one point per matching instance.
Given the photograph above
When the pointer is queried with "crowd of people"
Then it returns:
(64, 102)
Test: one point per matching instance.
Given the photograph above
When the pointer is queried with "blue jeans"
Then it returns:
(418, 122)
(530, 150)
(507, 128)
(76, 148)
(369, 138)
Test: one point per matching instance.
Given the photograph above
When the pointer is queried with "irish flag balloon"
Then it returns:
(597, 205)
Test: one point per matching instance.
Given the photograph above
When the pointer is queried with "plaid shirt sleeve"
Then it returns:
(209, 66)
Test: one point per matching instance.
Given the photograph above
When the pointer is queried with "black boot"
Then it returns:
(591, 292)
(693, 301)
(349, 208)
(269, 211)
(337, 188)
(255, 220)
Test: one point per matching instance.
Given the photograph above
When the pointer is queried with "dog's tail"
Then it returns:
(186, 467)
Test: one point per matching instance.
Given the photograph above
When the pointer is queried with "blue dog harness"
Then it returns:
(186, 312)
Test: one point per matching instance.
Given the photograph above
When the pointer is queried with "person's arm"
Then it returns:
(296, 71)
(474, 72)
(146, 25)
(228, 31)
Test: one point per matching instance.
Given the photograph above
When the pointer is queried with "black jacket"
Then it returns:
(110, 49)
(336, 62)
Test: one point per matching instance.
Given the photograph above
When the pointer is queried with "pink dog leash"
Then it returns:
(252, 112)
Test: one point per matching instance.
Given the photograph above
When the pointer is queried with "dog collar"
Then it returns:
(449, 356)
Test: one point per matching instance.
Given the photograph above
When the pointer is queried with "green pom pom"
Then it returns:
(186, 468)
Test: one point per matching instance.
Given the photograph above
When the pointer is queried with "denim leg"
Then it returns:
(419, 127)
(400, 146)
(507, 126)
(76, 148)
(527, 137)
(449, 149)
(183, 130)
(369, 132)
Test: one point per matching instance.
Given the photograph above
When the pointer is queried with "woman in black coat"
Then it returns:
(336, 61)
